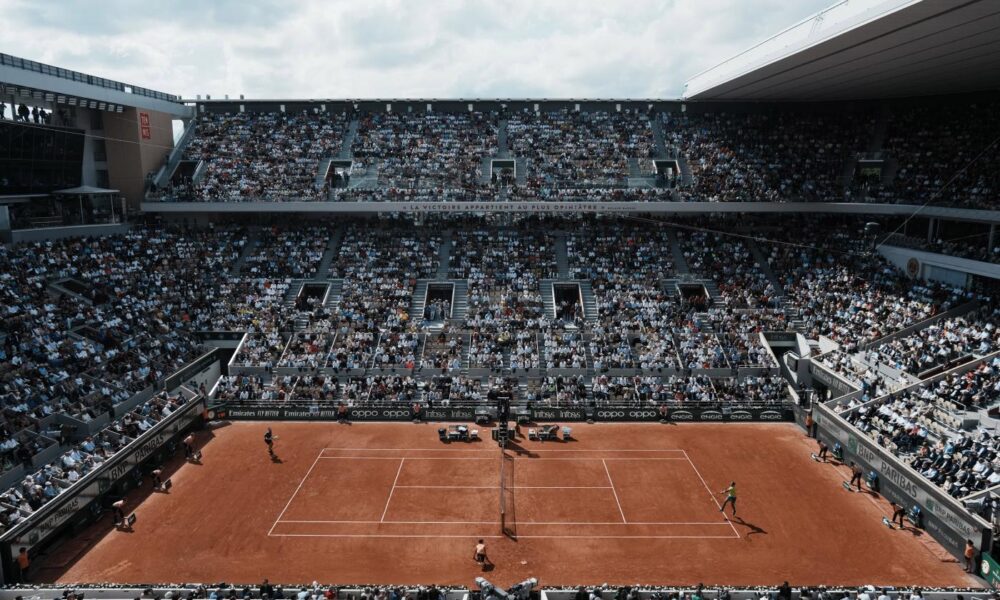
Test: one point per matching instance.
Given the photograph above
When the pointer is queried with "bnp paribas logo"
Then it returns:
(931, 505)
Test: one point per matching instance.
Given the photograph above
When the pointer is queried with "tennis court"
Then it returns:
(539, 493)
(623, 503)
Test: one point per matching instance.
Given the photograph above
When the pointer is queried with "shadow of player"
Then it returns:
(754, 529)
(276, 460)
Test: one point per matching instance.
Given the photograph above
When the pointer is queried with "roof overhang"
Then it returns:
(866, 49)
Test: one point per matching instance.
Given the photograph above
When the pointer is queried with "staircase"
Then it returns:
(877, 140)
(503, 149)
(174, 158)
(460, 305)
(444, 255)
(589, 303)
(417, 302)
(248, 249)
(485, 164)
(670, 286)
(548, 298)
(334, 294)
(293, 292)
(765, 266)
(686, 178)
(714, 294)
(562, 257)
(659, 141)
(324, 169)
(521, 175)
(680, 263)
(332, 247)
(636, 178)
(346, 153)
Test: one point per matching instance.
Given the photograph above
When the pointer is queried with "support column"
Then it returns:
(931, 226)
(993, 236)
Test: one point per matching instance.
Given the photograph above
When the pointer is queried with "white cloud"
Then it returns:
(396, 48)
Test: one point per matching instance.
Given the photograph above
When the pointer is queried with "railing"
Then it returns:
(37, 67)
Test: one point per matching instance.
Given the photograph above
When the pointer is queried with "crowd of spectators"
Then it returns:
(432, 150)
(259, 156)
(580, 149)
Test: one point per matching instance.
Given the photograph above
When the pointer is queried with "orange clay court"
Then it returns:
(623, 503)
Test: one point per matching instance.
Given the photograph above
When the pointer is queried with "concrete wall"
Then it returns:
(130, 156)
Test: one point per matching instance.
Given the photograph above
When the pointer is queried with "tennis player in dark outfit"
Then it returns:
(269, 440)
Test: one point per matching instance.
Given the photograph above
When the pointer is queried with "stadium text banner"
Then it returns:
(315, 413)
(948, 523)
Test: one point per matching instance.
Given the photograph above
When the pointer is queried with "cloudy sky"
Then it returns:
(396, 48)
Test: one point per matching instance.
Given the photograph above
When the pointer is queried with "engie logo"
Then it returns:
(710, 415)
(740, 415)
(681, 415)
(770, 415)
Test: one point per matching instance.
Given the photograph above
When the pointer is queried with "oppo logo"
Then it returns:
(643, 414)
(740, 415)
(380, 413)
(682, 415)
(770, 415)
(710, 415)
(611, 414)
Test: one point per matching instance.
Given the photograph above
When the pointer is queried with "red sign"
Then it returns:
(147, 132)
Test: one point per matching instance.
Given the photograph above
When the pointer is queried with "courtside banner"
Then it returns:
(364, 413)
(943, 516)
(695, 415)
(558, 414)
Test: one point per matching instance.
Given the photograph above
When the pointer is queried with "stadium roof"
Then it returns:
(866, 49)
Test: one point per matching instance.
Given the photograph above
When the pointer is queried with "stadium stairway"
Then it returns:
(636, 178)
(658, 140)
(503, 149)
(321, 173)
(334, 294)
(417, 301)
(173, 159)
(686, 178)
(548, 298)
(345, 147)
(460, 301)
(293, 292)
(670, 286)
(444, 255)
(332, 248)
(248, 249)
(562, 258)
(714, 293)
(680, 263)
(765, 266)
(589, 303)
(521, 170)
(484, 168)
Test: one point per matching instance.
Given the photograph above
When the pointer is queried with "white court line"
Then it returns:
(490, 458)
(453, 449)
(516, 487)
(614, 491)
(714, 499)
(429, 458)
(289, 503)
(520, 537)
(685, 523)
(389, 499)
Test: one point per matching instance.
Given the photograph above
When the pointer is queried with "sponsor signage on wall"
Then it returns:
(144, 128)
(950, 525)
(51, 517)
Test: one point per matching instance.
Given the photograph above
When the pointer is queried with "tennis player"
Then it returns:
(269, 440)
(480, 555)
(730, 493)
